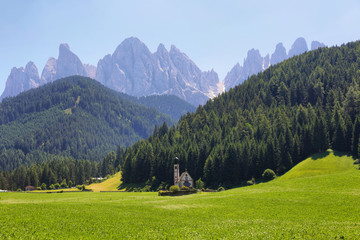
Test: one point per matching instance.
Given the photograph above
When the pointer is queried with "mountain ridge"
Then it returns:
(133, 69)
(255, 63)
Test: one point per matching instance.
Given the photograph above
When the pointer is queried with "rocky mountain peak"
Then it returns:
(279, 55)
(133, 69)
(31, 69)
(315, 45)
(49, 72)
(233, 76)
(68, 63)
(21, 79)
(90, 70)
(298, 47)
(253, 63)
(130, 47)
(161, 48)
(64, 47)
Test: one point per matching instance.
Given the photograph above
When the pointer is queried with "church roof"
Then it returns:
(182, 175)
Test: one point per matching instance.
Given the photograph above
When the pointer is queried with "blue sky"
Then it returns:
(214, 34)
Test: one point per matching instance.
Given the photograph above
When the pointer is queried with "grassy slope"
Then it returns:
(322, 163)
(110, 184)
(314, 207)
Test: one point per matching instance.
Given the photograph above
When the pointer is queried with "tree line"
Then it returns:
(61, 171)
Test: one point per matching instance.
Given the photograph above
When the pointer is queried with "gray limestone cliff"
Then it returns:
(21, 79)
(239, 74)
(298, 47)
(67, 64)
(253, 64)
(134, 70)
(315, 45)
(279, 55)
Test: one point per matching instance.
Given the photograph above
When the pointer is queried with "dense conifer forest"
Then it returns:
(304, 105)
(74, 117)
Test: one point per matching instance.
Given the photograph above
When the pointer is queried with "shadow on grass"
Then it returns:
(317, 156)
(341, 154)
(131, 186)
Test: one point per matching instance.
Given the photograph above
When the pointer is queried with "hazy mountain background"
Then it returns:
(134, 70)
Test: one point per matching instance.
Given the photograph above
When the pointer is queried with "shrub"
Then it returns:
(251, 182)
(70, 184)
(163, 186)
(52, 187)
(185, 188)
(147, 188)
(137, 189)
(174, 188)
(43, 186)
(19, 190)
(220, 189)
(63, 184)
(152, 183)
(57, 185)
(199, 184)
(268, 175)
(81, 187)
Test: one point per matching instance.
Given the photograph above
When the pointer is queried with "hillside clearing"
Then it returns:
(319, 164)
(110, 184)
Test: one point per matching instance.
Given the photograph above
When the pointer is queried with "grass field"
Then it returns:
(110, 184)
(323, 206)
(319, 164)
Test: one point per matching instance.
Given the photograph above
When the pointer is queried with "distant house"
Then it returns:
(3, 190)
(30, 188)
(97, 178)
(184, 179)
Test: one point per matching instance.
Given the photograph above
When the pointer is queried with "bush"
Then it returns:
(43, 186)
(147, 188)
(268, 175)
(70, 184)
(185, 188)
(57, 185)
(152, 183)
(81, 187)
(220, 189)
(63, 184)
(163, 186)
(174, 189)
(251, 182)
(199, 184)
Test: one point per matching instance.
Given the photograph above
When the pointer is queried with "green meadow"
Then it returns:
(302, 205)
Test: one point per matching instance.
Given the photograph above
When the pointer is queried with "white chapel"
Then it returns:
(184, 179)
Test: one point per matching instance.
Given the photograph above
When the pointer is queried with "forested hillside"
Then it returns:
(75, 117)
(170, 105)
(301, 106)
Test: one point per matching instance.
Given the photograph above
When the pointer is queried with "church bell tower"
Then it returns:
(176, 171)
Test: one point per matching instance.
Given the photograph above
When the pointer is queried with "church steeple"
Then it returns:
(176, 171)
